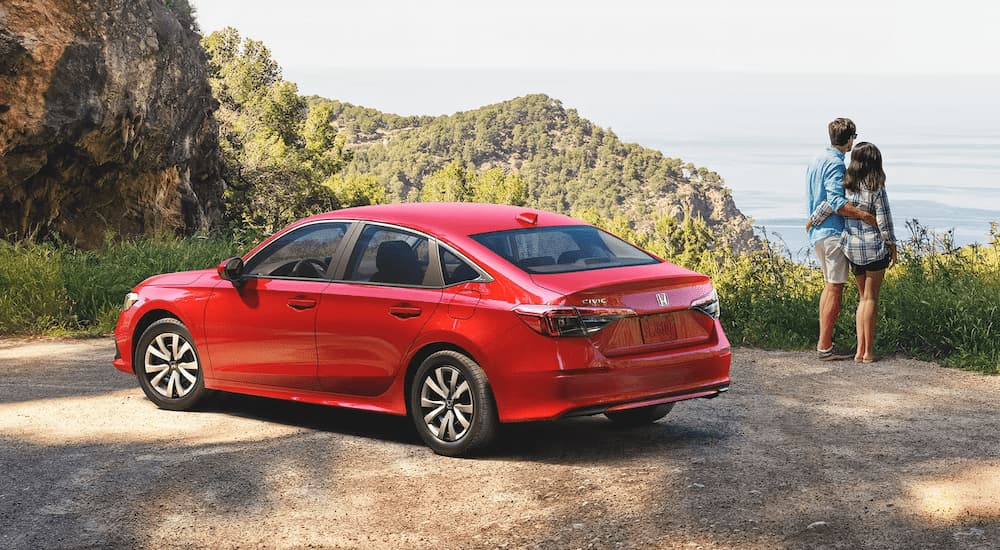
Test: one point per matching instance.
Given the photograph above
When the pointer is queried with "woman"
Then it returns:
(870, 250)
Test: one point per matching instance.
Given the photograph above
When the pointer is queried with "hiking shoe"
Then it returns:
(834, 354)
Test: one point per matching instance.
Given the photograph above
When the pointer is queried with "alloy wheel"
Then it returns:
(171, 365)
(446, 403)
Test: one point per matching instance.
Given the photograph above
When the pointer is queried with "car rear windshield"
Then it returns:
(563, 249)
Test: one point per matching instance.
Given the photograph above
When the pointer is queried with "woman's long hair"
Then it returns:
(865, 169)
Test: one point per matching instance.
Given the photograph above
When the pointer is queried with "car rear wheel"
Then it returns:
(452, 405)
(639, 416)
(168, 366)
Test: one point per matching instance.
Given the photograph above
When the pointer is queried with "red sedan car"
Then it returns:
(459, 315)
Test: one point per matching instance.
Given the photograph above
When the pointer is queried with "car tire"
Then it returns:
(452, 405)
(639, 416)
(168, 366)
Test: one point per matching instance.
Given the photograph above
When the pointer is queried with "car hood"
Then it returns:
(180, 278)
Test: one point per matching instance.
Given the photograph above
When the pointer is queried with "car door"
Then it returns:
(263, 331)
(367, 320)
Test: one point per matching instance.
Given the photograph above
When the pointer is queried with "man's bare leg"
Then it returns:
(829, 308)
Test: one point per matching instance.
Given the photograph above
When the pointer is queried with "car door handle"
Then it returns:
(301, 303)
(405, 312)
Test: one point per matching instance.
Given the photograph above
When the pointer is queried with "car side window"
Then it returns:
(304, 253)
(388, 255)
(454, 269)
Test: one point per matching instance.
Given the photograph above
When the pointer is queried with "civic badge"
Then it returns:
(662, 299)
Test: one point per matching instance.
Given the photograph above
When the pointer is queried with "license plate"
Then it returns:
(659, 328)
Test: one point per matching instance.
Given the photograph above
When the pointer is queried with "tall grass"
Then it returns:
(938, 302)
(51, 288)
(943, 303)
(96, 282)
(32, 296)
(767, 299)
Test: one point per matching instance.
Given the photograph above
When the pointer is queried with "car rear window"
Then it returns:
(563, 249)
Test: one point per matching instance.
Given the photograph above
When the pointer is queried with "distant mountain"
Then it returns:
(569, 164)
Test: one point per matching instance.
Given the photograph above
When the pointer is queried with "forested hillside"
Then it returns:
(287, 156)
(567, 163)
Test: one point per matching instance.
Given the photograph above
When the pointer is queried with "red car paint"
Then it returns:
(352, 344)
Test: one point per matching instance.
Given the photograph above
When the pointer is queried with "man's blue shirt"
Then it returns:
(825, 179)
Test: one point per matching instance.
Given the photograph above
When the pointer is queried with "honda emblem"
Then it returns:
(662, 299)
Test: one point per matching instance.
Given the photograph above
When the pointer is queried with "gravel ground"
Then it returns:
(799, 454)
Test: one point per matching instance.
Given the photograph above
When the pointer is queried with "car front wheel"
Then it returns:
(168, 366)
(452, 405)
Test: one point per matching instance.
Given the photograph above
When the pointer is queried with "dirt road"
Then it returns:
(800, 454)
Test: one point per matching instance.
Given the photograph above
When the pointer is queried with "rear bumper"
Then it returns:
(705, 393)
(616, 385)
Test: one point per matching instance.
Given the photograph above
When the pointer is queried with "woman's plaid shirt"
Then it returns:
(862, 243)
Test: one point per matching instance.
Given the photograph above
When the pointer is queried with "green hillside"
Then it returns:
(286, 156)
(569, 164)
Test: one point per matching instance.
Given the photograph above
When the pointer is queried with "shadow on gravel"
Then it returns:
(595, 440)
(143, 494)
(586, 440)
(383, 427)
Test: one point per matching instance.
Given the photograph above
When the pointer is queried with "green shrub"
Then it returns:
(768, 300)
(32, 296)
(54, 287)
(938, 302)
(97, 282)
(945, 306)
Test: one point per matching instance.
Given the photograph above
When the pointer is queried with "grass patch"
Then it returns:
(33, 299)
(939, 302)
(56, 289)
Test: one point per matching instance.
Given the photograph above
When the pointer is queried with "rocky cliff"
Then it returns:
(105, 121)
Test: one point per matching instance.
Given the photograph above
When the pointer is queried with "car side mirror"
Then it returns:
(231, 269)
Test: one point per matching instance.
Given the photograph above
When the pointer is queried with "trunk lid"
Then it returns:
(660, 294)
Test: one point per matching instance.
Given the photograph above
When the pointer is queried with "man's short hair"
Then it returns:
(841, 131)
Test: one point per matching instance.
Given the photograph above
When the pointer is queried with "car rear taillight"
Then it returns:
(568, 320)
(708, 304)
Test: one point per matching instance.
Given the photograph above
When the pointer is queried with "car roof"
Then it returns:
(451, 219)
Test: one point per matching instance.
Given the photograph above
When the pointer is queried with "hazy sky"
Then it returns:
(687, 68)
(784, 36)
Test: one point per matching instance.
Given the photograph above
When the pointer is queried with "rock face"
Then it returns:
(105, 122)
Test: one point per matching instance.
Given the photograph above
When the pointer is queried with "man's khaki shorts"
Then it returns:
(832, 260)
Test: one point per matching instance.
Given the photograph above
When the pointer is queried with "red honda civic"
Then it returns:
(461, 316)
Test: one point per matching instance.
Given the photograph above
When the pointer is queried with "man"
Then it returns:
(825, 181)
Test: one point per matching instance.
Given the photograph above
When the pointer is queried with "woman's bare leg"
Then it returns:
(873, 283)
(859, 352)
